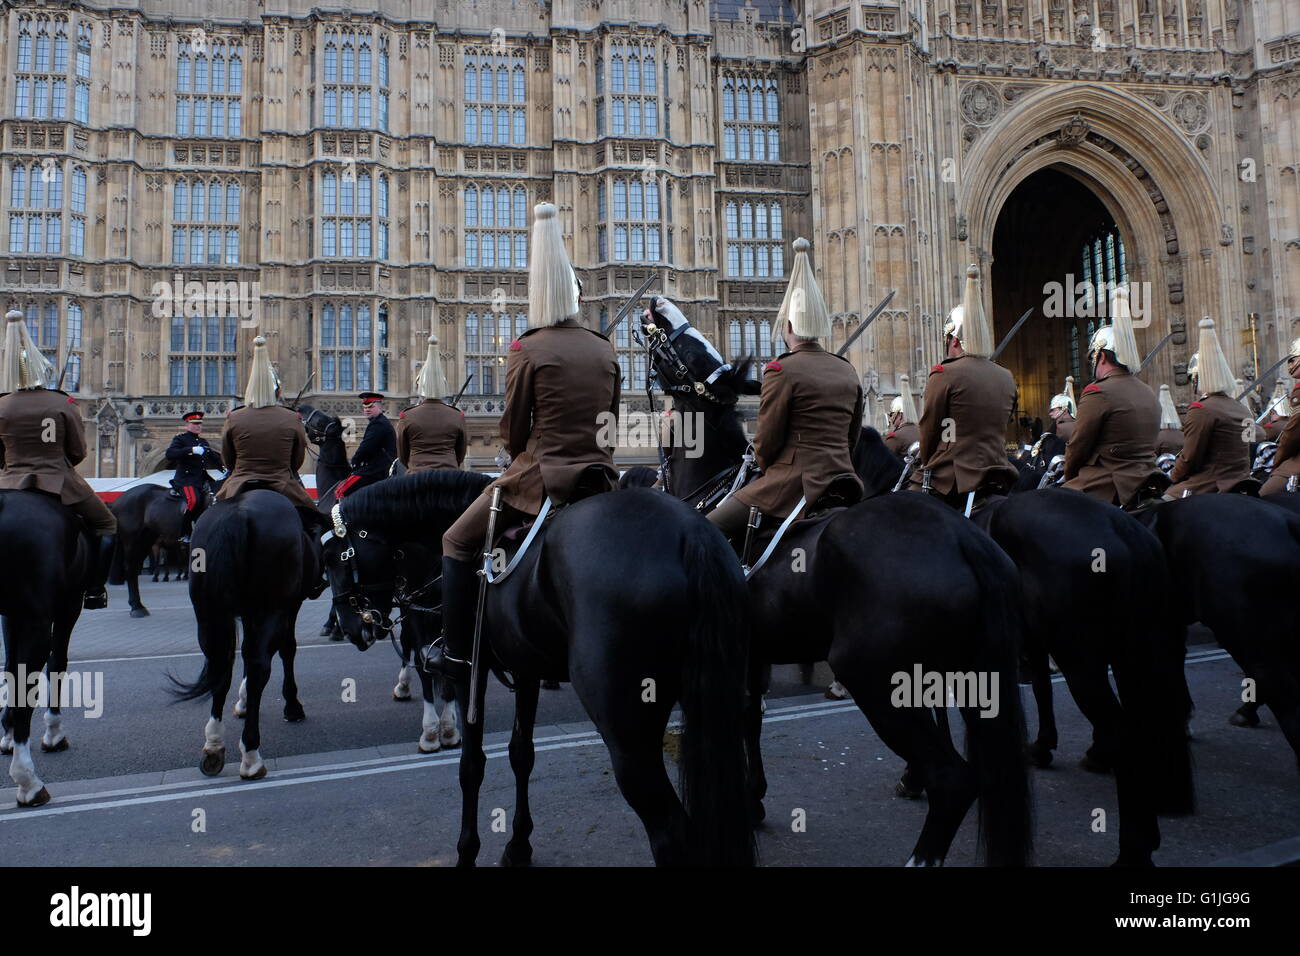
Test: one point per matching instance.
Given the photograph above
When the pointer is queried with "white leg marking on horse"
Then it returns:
(241, 705)
(250, 763)
(429, 742)
(213, 738)
(449, 732)
(23, 772)
(7, 742)
(402, 690)
(53, 729)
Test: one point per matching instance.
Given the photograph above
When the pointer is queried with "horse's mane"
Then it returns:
(877, 466)
(415, 502)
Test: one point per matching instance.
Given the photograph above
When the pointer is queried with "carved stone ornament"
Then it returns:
(1074, 132)
(1192, 112)
(979, 103)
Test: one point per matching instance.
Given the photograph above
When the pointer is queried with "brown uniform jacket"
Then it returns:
(1170, 441)
(809, 419)
(29, 416)
(431, 435)
(1215, 454)
(900, 439)
(559, 381)
(1113, 449)
(978, 396)
(266, 444)
(1286, 460)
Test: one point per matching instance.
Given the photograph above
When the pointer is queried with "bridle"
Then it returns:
(357, 593)
(665, 368)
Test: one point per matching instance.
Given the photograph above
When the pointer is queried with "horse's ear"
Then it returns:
(741, 381)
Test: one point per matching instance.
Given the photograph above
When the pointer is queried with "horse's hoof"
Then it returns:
(41, 799)
(450, 739)
(139, 612)
(522, 857)
(257, 774)
(238, 711)
(399, 698)
(212, 763)
(836, 691)
(1095, 764)
(907, 791)
(1039, 756)
(429, 746)
(294, 713)
(6, 748)
(57, 747)
(1244, 719)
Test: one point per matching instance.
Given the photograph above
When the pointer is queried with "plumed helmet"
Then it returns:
(1213, 373)
(262, 384)
(24, 365)
(803, 306)
(1066, 398)
(1168, 412)
(552, 283)
(904, 404)
(432, 382)
(967, 322)
(1280, 402)
(1117, 338)
(1295, 348)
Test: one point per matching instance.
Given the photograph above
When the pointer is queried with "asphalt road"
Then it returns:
(346, 786)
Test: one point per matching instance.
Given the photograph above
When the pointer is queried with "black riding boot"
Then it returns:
(96, 596)
(314, 524)
(451, 653)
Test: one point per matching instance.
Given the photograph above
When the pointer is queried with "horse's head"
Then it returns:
(685, 363)
(316, 422)
(363, 571)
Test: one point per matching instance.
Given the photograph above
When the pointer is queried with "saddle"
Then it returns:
(842, 493)
(515, 540)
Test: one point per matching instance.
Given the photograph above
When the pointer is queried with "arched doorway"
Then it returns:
(1052, 233)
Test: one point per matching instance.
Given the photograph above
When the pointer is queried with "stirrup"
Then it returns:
(95, 601)
(432, 659)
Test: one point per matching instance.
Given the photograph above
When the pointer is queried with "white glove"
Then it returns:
(198, 450)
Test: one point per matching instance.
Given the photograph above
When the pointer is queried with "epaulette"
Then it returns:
(402, 413)
(1196, 405)
(773, 366)
(236, 408)
(892, 435)
(1094, 387)
(937, 368)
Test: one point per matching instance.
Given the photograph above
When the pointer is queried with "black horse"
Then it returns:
(251, 561)
(1229, 557)
(893, 584)
(43, 568)
(633, 598)
(326, 432)
(146, 515)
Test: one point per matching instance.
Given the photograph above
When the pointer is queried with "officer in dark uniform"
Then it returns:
(377, 451)
(191, 456)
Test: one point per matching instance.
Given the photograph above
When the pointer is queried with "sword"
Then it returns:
(66, 363)
(1154, 352)
(1263, 378)
(1271, 405)
(629, 305)
(862, 326)
(494, 510)
(455, 401)
(1010, 335)
(303, 390)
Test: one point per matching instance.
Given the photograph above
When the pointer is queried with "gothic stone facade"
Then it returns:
(366, 178)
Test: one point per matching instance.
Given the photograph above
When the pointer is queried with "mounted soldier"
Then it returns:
(1281, 404)
(378, 449)
(902, 420)
(561, 380)
(1062, 411)
(1112, 454)
(432, 433)
(1219, 429)
(264, 445)
(191, 456)
(42, 440)
(1286, 459)
(968, 402)
(1169, 440)
(809, 413)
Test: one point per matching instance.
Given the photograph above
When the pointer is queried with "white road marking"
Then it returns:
(139, 796)
(168, 657)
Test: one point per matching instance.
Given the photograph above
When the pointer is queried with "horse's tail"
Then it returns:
(995, 743)
(1158, 700)
(713, 764)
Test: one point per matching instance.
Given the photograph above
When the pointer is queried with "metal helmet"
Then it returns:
(803, 306)
(967, 322)
(1117, 338)
(552, 283)
(262, 384)
(1066, 398)
(904, 404)
(1168, 411)
(432, 382)
(24, 365)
